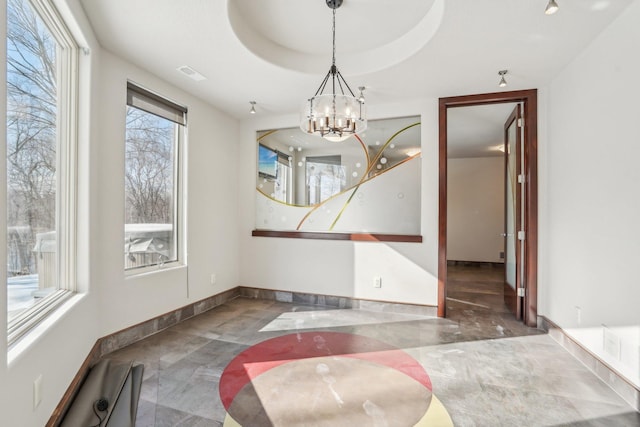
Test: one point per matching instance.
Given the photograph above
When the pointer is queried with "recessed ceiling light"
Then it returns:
(190, 72)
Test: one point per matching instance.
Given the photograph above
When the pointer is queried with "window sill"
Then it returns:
(24, 322)
(40, 325)
(355, 237)
(152, 270)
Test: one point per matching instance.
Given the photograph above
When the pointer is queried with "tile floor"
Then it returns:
(486, 369)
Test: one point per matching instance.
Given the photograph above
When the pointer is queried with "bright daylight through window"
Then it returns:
(153, 133)
(326, 177)
(40, 150)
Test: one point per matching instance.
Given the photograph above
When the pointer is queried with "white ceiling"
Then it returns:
(276, 52)
(477, 131)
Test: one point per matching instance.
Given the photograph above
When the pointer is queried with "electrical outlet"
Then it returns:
(377, 282)
(213, 278)
(37, 391)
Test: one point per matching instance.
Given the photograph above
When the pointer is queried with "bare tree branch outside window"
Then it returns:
(149, 168)
(31, 134)
(150, 228)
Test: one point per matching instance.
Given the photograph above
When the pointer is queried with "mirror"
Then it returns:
(368, 183)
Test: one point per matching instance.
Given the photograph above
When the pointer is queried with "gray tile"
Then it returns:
(197, 396)
(162, 416)
(486, 368)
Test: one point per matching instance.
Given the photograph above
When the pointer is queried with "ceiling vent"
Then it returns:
(191, 73)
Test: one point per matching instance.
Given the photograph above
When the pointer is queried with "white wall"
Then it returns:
(58, 346)
(408, 270)
(591, 241)
(211, 204)
(475, 209)
(112, 302)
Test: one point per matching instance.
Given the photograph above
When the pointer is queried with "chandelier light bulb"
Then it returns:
(253, 107)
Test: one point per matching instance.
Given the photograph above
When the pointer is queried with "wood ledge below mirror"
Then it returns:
(356, 237)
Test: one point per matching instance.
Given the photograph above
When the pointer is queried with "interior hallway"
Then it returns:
(475, 298)
(482, 375)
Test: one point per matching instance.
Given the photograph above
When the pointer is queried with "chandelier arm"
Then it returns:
(323, 84)
(340, 85)
(345, 83)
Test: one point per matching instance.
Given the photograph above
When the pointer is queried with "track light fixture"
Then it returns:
(503, 81)
(253, 107)
(552, 7)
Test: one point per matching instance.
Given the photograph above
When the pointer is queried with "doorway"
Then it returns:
(524, 259)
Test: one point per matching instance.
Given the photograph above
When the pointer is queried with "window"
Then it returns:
(40, 158)
(326, 177)
(154, 130)
(283, 190)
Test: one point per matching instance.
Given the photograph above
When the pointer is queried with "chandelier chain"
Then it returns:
(334, 37)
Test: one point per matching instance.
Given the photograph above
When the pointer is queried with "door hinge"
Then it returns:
(521, 122)
(521, 179)
(521, 292)
(521, 235)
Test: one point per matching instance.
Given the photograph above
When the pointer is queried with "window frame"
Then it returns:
(179, 177)
(326, 160)
(284, 176)
(67, 86)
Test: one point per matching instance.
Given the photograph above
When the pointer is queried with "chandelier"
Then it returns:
(337, 115)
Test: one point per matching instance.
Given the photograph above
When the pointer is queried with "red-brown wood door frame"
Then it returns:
(529, 100)
(512, 170)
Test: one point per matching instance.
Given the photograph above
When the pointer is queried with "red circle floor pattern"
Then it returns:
(325, 379)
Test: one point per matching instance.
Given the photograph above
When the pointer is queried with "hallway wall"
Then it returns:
(475, 209)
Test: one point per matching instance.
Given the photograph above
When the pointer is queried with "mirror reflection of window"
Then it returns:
(275, 174)
(283, 190)
(267, 162)
(326, 177)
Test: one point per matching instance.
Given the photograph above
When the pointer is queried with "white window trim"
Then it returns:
(180, 204)
(26, 320)
(67, 63)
